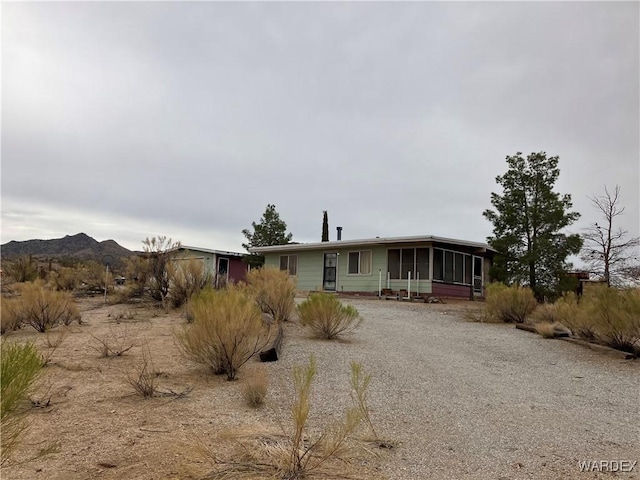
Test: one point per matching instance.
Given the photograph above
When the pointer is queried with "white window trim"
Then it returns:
(359, 252)
(289, 264)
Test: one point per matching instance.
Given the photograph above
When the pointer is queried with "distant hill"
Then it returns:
(80, 246)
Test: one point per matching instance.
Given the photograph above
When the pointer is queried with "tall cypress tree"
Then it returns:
(325, 226)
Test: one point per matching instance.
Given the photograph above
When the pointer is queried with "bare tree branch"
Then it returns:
(605, 251)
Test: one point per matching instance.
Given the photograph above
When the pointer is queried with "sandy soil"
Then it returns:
(86, 410)
(457, 399)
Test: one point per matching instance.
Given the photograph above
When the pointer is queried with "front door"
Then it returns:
(330, 271)
(477, 276)
(222, 275)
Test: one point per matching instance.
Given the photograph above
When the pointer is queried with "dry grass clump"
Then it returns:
(296, 453)
(546, 312)
(64, 278)
(188, 277)
(509, 304)
(19, 367)
(575, 316)
(327, 317)
(10, 319)
(115, 344)
(227, 330)
(546, 329)
(254, 389)
(21, 269)
(273, 290)
(614, 317)
(43, 308)
(143, 377)
(608, 315)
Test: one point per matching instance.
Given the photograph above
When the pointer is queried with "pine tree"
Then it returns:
(527, 223)
(270, 231)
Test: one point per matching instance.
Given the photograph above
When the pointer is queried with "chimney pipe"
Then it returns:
(339, 229)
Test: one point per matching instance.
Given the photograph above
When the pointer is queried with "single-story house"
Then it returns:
(223, 266)
(414, 266)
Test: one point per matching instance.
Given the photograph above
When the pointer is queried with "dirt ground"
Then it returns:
(87, 415)
(458, 400)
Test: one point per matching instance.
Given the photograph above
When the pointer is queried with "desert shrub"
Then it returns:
(615, 316)
(509, 304)
(574, 315)
(546, 329)
(273, 290)
(187, 278)
(326, 316)
(19, 368)
(21, 269)
(546, 312)
(298, 453)
(10, 319)
(143, 377)
(157, 251)
(359, 394)
(65, 278)
(52, 342)
(254, 389)
(227, 330)
(94, 276)
(115, 344)
(43, 308)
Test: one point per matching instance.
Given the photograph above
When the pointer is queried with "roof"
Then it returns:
(369, 241)
(208, 250)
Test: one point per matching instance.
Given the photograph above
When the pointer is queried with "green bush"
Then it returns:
(20, 365)
(326, 316)
(227, 330)
(509, 304)
(273, 290)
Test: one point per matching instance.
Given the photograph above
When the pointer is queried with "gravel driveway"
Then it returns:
(471, 400)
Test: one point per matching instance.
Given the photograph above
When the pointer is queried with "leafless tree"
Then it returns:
(157, 250)
(607, 249)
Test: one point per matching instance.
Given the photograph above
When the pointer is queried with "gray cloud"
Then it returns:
(188, 118)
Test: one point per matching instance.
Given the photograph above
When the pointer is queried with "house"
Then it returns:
(223, 266)
(411, 266)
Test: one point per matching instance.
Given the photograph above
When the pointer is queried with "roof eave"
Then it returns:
(367, 241)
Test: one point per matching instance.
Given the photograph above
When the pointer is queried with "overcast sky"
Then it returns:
(128, 120)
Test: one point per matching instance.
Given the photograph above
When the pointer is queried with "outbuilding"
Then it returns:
(223, 266)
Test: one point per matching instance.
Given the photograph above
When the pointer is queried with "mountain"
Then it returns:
(80, 246)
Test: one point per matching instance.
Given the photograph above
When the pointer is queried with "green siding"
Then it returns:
(207, 258)
(310, 269)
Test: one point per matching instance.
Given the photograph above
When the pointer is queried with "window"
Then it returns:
(289, 263)
(360, 263)
(452, 267)
(401, 261)
(394, 263)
